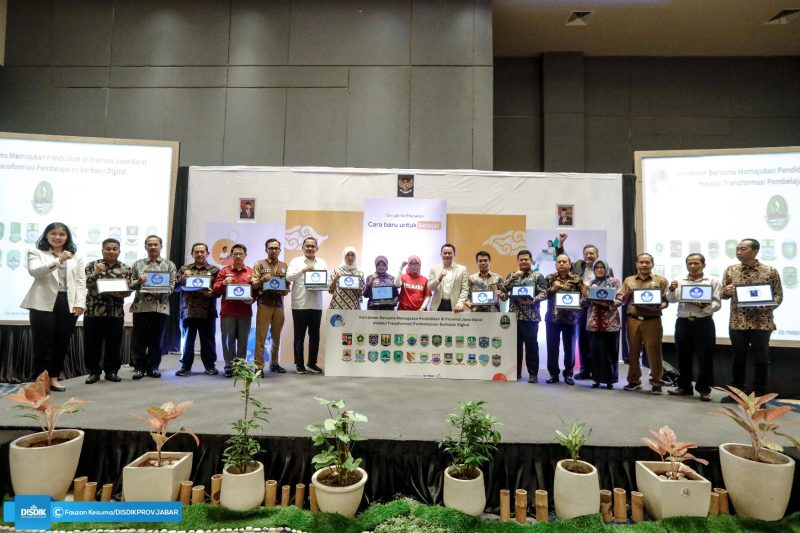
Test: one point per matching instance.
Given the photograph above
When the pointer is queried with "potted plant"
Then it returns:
(472, 443)
(758, 477)
(339, 480)
(670, 487)
(576, 488)
(156, 476)
(243, 476)
(44, 462)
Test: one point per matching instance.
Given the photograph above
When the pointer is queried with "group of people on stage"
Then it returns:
(64, 288)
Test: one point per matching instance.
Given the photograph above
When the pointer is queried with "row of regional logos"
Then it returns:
(359, 355)
(423, 339)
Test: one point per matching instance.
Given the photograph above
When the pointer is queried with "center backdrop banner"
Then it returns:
(491, 211)
(421, 345)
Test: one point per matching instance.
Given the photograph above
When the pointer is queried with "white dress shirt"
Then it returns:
(301, 298)
(689, 309)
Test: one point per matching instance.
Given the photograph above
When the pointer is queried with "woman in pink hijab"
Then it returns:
(414, 293)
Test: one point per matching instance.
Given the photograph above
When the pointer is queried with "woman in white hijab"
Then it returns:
(347, 283)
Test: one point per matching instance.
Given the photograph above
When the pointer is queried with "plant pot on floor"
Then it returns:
(156, 483)
(576, 489)
(664, 498)
(341, 500)
(46, 470)
(465, 495)
(757, 490)
(242, 492)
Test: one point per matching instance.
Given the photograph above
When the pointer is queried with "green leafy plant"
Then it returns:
(36, 397)
(241, 449)
(337, 435)
(573, 439)
(472, 440)
(758, 422)
(159, 420)
(668, 447)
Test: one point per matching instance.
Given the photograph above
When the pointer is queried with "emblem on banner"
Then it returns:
(436, 359)
(398, 339)
(372, 355)
(360, 356)
(347, 356)
(497, 342)
(459, 341)
(411, 340)
(472, 359)
(386, 339)
(448, 340)
(424, 340)
(386, 356)
(423, 357)
(347, 339)
(483, 342)
(472, 341)
(460, 358)
(398, 356)
(505, 321)
(496, 360)
(483, 359)
(360, 339)
(436, 340)
(448, 358)
(373, 339)
(411, 357)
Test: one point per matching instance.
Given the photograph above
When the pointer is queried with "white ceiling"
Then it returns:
(524, 28)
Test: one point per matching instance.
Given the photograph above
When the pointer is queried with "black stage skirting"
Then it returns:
(395, 468)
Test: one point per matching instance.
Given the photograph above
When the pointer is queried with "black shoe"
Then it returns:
(278, 369)
(705, 397)
(655, 389)
(301, 369)
(211, 371)
(727, 399)
(183, 372)
(93, 378)
(153, 374)
(595, 385)
(57, 388)
(568, 380)
(533, 379)
(314, 369)
(632, 386)
(138, 374)
(113, 377)
(610, 386)
(228, 373)
(679, 392)
(553, 379)
(260, 373)
(583, 375)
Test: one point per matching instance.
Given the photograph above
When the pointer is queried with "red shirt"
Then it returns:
(413, 292)
(236, 308)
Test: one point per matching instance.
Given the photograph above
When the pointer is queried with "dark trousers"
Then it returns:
(584, 349)
(445, 305)
(207, 328)
(604, 347)
(102, 335)
(527, 333)
(751, 342)
(696, 338)
(148, 328)
(306, 320)
(50, 335)
(555, 332)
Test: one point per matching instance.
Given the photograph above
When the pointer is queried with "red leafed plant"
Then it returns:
(159, 420)
(36, 397)
(670, 449)
(758, 422)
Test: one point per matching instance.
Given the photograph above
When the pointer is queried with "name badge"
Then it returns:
(238, 291)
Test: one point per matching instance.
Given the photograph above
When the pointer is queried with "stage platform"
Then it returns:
(406, 418)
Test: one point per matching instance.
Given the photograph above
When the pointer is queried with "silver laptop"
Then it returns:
(757, 295)
(316, 280)
(568, 300)
(701, 294)
(602, 294)
(382, 295)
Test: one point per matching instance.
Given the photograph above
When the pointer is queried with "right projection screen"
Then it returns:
(707, 201)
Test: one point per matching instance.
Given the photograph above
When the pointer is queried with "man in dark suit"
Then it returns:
(247, 212)
(564, 219)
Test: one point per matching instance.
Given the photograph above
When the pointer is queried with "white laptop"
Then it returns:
(483, 297)
(316, 280)
(275, 284)
(646, 296)
(238, 291)
(349, 282)
(568, 300)
(197, 283)
(759, 295)
(701, 294)
(602, 294)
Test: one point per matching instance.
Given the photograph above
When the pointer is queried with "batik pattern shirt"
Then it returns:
(197, 304)
(527, 310)
(344, 298)
(106, 304)
(152, 302)
(573, 283)
(490, 282)
(753, 317)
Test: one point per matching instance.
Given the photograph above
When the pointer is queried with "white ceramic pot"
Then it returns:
(156, 484)
(45, 470)
(576, 494)
(757, 490)
(467, 496)
(341, 500)
(242, 492)
(664, 498)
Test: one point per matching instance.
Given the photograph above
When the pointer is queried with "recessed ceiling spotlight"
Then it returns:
(784, 17)
(579, 18)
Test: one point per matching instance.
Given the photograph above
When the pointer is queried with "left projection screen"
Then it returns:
(99, 188)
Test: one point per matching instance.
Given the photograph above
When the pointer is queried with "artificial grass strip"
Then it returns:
(378, 513)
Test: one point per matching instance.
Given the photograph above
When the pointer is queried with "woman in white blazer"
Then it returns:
(56, 299)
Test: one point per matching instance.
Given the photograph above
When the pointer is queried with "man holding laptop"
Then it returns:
(309, 277)
(269, 275)
(484, 286)
(448, 282)
(153, 279)
(645, 294)
(564, 290)
(754, 290)
(198, 310)
(236, 310)
(698, 298)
